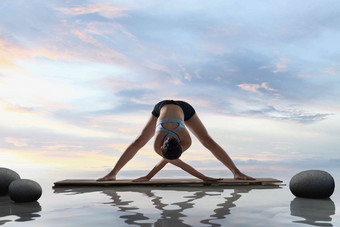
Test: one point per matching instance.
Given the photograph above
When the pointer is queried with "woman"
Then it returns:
(172, 139)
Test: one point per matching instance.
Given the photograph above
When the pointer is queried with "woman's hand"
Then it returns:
(141, 179)
(108, 177)
(211, 179)
(241, 176)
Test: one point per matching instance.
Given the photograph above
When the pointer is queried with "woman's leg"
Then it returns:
(197, 128)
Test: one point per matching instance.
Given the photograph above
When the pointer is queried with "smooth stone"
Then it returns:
(24, 190)
(316, 184)
(7, 176)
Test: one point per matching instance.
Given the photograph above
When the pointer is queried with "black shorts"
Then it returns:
(188, 110)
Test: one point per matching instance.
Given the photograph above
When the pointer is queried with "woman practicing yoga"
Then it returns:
(172, 139)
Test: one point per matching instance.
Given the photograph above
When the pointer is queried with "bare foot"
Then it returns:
(212, 179)
(107, 178)
(141, 179)
(241, 176)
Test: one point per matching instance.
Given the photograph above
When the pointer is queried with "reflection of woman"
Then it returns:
(174, 217)
(172, 138)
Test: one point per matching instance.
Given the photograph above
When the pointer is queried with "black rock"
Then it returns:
(315, 184)
(6, 178)
(24, 190)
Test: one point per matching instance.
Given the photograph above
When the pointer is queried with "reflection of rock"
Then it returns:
(315, 211)
(25, 211)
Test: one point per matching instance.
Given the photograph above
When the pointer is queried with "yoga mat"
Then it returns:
(162, 182)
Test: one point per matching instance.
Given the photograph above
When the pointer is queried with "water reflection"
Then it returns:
(139, 213)
(24, 211)
(315, 212)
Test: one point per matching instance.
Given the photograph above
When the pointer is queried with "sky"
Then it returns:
(79, 79)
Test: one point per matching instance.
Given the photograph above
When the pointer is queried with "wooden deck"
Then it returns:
(162, 182)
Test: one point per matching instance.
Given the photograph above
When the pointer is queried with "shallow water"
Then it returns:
(171, 206)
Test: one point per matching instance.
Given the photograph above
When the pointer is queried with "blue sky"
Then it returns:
(78, 79)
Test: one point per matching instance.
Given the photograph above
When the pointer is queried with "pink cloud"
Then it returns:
(256, 87)
(16, 141)
(10, 107)
(281, 65)
(104, 9)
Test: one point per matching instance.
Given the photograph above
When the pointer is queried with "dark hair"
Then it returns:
(171, 148)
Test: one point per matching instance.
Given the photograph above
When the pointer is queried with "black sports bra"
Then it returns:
(188, 110)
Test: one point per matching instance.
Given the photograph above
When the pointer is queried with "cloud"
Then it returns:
(61, 37)
(10, 51)
(7, 106)
(256, 87)
(259, 167)
(79, 76)
(132, 36)
(16, 142)
(104, 9)
(287, 113)
(281, 66)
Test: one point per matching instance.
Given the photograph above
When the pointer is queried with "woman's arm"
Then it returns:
(145, 136)
(192, 171)
(178, 163)
(153, 172)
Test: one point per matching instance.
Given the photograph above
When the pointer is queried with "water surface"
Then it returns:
(170, 206)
